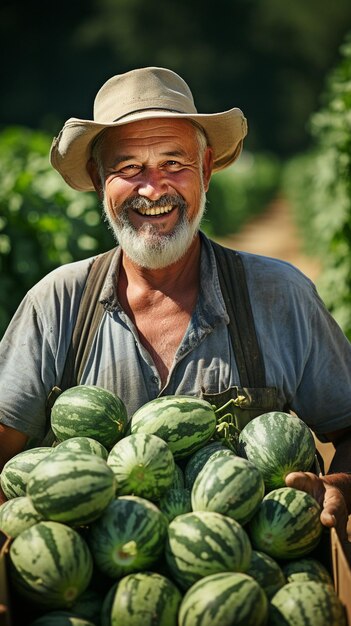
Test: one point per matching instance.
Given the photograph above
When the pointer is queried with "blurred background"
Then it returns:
(286, 64)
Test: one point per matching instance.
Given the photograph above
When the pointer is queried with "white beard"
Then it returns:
(149, 248)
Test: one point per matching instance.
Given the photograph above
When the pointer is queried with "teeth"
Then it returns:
(156, 211)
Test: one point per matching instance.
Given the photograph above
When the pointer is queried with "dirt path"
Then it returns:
(275, 234)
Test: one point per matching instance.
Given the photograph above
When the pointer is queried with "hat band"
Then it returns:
(147, 109)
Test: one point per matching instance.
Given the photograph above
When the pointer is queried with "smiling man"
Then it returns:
(178, 313)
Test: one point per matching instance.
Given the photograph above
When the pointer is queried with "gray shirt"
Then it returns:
(306, 356)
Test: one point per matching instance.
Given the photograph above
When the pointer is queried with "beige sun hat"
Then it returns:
(150, 92)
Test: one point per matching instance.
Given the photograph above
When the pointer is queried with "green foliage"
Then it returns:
(319, 185)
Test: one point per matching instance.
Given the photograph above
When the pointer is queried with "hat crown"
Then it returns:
(140, 90)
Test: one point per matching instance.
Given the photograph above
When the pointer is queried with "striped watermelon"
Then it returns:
(175, 502)
(50, 564)
(308, 603)
(89, 411)
(184, 422)
(129, 536)
(287, 524)
(14, 475)
(143, 599)
(83, 444)
(16, 515)
(178, 478)
(267, 572)
(197, 460)
(224, 599)
(203, 543)
(277, 443)
(71, 488)
(229, 485)
(143, 465)
(307, 568)
(61, 618)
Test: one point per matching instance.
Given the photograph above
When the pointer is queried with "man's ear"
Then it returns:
(207, 167)
(95, 177)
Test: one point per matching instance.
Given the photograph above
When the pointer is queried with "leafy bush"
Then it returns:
(319, 185)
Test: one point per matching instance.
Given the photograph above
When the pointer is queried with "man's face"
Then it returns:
(154, 188)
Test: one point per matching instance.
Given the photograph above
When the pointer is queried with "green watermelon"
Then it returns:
(143, 465)
(203, 543)
(17, 515)
(277, 443)
(308, 603)
(287, 524)
(14, 475)
(267, 572)
(197, 460)
(229, 485)
(224, 599)
(129, 536)
(143, 599)
(178, 478)
(307, 568)
(83, 444)
(184, 422)
(70, 487)
(50, 564)
(175, 502)
(61, 618)
(89, 411)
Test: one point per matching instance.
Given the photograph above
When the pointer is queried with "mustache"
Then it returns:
(139, 202)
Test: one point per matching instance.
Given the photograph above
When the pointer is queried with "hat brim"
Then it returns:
(71, 149)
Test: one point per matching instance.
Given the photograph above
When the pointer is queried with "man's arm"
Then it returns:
(11, 442)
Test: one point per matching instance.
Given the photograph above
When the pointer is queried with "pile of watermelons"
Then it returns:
(161, 521)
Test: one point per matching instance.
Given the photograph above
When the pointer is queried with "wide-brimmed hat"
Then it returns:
(150, 92)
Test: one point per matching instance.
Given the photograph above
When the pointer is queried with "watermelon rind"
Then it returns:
(143, 465)
(277, 443)
(61, 618)
(307, 602)
(178, 478)
(16, 515)
(224, 599)
(229, 485)
(287, 524)
(309, 568)
(175, 502)
(267, 571)
(202, 543)
(89, 411)
(145, 599)
(70, 487)
(128, 536)
(50, 564)
(185, 422)
(198, 459)
(14, 475)
(83, 444)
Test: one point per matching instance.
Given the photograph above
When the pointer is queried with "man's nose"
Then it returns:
(153, 184)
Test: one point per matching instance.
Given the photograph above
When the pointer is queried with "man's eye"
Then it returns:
(128, 170)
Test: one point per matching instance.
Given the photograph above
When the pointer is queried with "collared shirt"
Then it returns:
(306, 356)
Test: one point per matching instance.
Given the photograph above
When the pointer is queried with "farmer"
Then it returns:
(165, 308)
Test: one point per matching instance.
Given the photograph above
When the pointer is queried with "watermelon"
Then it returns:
(14, 475)
(175, 502)
(50, 564)
(89, 411)
(61, 618)
(178, 478)
(143, 599)
(203, 543)
(184, 422)
(17, 515)
(287, 524)
(197, 460)
(308, 603)
(143, 465)
(277, 443)
(267, 572)
(307, 568)
(129, 536)
(70, 487)
(229, 485)
(84, 444)
(224, 599)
